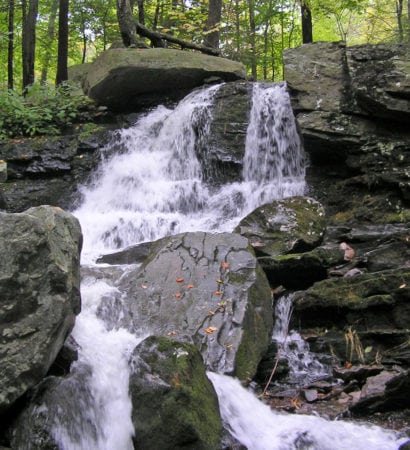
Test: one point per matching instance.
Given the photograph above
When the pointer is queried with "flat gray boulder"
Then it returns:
(207, 289)
(39, 294)
(128, 78)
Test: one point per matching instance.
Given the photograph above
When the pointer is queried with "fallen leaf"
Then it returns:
(348, 364)
(190, 286)
(219, 281)
(172, 333)
(179, 280)
(144, 286)
(218, 293)
(225, 265)
(402, 286)
(210, 330)
(178, 295)
(211, 313)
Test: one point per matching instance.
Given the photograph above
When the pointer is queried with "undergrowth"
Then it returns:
(43, 110)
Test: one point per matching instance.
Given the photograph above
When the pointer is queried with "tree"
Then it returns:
(29, 40)
(128, 28)
(62, 71)
(48, 41)
(306, 15)
(10, 50)
(399, 12)
(212, 24)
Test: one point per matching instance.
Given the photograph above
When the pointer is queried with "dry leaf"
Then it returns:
(179, 280)
(219, 281)
(211, 313)
(172, 333)
(402, 286)
(218, 293)
(348, 364)
(178, 295)
(144, 286)
(210, 330)
(190, 286)
(225, 265)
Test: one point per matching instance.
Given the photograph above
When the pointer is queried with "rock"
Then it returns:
(379, 80)
(126, 79)
(300, 270)
(206, 288)
(316, 76)
(52, 407)
(310, 395)
(174, 404)
(291, 225)
(383, 392)
(359, 373)
(39, 294)
(130, 255)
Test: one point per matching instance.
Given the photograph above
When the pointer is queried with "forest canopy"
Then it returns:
(39, 39)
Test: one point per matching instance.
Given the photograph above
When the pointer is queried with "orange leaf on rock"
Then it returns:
(218, 293)
(178, 295)
(210, 330)
(179, 280)
(211, 313)
(225, 265)
(348, 364)
(190, 286)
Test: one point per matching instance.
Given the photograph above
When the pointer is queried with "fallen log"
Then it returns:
(156, 38)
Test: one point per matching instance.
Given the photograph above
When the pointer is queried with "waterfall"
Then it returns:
(149, 185)
(303, 365)
(257, 427)
(150, 182)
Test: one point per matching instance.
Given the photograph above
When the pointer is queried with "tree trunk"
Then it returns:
(62, 72)
(10, 50)
(126, 22)
(214, 17)
(29, 40)
(252, 38)
(307, 35)
(141, 12)
(408, 21)
(49, 41)
(399, 13)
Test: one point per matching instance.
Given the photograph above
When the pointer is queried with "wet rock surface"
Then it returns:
(175, 405)
(39, 294)
(207, 288)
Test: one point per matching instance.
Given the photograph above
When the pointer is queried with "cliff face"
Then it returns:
(353, 108)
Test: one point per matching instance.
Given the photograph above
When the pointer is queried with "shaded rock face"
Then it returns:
(352, 106)
(125, 79)
(39, 294)
(175, 405)
(47, 171)
(207, 288)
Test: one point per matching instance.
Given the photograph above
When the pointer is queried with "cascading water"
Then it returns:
(303, 365)
(149, 185)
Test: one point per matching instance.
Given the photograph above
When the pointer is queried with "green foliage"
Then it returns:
(42, 110)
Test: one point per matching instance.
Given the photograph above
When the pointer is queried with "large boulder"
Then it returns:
(174, 404)
(128, 78)
(206, 288)
(291, 225)
(39, 294)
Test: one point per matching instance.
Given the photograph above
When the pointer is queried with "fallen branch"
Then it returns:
(156, 38)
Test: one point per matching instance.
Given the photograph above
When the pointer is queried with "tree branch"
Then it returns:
(156, 38)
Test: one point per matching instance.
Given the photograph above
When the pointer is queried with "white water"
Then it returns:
(304, 366)
(152, 187)
(257, 427)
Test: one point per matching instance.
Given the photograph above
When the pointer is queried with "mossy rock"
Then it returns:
(300, 270)
(174, 404)
(291, 225)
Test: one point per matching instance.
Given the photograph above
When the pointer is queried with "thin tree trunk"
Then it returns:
(10, 50)
(62, 72)
(49, 41)
(214, 17)
(307, 34)
(252, 38)
(408, 21)
(141, 12)
(237, 30)
(399, 14)
(29, 40)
